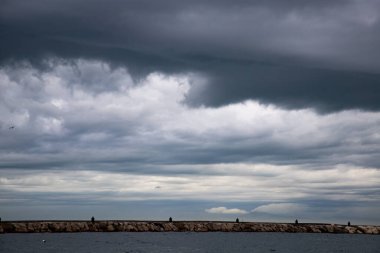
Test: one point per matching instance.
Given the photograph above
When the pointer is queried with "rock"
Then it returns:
(329, 228)
(200, 228)
(21, 228)
(75, 227)
(131, 228)
(315, 230)
(226, 227)
(113, 226)
(350, 229)
(169, 227)
(369, 229)
(44, 227)
(109, 228)
(142, 227)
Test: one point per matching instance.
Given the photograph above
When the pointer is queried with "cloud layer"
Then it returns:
(63, 111)
(199, 109)
(281, 209)
(88, 132)
(224, 210)
(296, 54)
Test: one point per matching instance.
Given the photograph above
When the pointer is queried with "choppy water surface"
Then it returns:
(125, 242)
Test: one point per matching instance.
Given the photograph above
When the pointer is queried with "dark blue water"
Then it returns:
(187, 242)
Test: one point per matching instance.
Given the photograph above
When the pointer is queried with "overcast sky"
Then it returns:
(134, 109)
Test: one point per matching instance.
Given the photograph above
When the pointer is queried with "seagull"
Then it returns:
(43, 241)
(11, 127)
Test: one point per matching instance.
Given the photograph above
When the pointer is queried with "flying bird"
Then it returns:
(11, 127)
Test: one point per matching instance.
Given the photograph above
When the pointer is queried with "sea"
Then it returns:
(132, 242)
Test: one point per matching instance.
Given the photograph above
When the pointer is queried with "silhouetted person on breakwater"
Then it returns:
(296, 222)
(349, 224)
(170, 219)
(237, 220)
(92, 219)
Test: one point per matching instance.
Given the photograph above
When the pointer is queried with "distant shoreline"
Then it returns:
(69, 226)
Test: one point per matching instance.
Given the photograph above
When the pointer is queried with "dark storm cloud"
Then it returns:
(321, 54)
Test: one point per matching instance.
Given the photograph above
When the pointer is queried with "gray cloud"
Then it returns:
(216, 102)
(71, 137)
(296, 54)
(61, 119)
(43, 194)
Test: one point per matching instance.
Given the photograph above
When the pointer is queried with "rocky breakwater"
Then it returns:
(178, 226)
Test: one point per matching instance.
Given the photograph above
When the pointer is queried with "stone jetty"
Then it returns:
(177, 226)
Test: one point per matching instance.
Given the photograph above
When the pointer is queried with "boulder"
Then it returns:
(21, 228)
(369, 229)
(109, 228)
(350, 229)
(169, 227)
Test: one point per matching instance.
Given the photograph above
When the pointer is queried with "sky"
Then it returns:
(197, 110)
